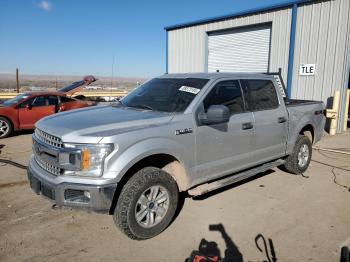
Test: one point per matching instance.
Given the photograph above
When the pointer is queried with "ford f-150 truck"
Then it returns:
(176, 133)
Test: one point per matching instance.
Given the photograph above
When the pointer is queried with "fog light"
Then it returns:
(78, 196)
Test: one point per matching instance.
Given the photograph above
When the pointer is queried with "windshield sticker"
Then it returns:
(189, 89)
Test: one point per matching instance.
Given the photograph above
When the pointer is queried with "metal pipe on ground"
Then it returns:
(331, 150)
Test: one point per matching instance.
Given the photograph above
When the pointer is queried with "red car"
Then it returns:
(23, 111)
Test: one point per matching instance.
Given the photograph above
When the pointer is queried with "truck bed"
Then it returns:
(305, 111)
(298, 102)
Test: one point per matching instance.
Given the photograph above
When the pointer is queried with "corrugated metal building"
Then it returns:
(308, 40)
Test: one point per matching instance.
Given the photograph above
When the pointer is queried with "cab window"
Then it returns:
(227, 93)
(261, 94)
(40, 101)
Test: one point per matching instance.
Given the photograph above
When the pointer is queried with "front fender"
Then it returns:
(118, 164)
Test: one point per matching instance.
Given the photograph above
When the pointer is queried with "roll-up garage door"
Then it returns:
(239, 50)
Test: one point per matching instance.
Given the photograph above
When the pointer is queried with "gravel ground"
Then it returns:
(303, 218)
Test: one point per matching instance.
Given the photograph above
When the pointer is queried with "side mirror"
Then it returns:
(216, 114)
(29, 106)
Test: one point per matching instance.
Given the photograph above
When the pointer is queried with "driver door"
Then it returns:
(224, 148)
(29, 114)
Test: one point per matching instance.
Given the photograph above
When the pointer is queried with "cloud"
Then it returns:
(45, 5)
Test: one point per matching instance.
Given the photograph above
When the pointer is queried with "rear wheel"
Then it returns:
(299, 160)
(5, 127)
(147, 204)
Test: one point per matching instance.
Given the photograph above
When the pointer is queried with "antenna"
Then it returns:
(113, 60)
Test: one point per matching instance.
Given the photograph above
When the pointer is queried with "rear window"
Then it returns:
(53, 100)
(261, 94)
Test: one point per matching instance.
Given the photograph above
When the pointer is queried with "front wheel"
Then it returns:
(299, 160)
(147, 204)
(5, 127)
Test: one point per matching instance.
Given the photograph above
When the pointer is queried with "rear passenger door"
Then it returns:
(226, 147)
(270, 114)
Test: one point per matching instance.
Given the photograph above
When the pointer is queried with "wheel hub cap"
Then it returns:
(152, 206)
(4, 128)
(303, 155)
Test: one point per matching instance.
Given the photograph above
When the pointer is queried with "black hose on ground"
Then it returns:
(13, 163)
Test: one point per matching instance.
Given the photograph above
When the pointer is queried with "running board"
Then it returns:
(205, 188)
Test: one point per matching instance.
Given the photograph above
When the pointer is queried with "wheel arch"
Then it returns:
(167, 162)
(303, 127)
(308, 131)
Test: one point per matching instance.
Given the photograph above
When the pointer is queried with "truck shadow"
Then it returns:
(22, 132)
(209, 250)
(223, 189)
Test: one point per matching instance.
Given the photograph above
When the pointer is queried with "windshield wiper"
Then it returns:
(142, 107)
(117, 103)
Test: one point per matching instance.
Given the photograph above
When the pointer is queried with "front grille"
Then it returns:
(48, 167)
(48, 139)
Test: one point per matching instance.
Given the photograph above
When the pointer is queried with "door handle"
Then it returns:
(282, 119)
(247, 126)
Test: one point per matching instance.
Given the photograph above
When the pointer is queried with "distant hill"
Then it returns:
(8, 82)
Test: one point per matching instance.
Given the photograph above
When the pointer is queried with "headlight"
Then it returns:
(86, 159)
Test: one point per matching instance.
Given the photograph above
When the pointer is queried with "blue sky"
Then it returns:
(79, 37)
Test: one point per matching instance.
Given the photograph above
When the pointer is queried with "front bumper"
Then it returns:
(96, 198)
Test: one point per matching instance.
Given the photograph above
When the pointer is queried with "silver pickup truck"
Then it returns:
(176, 133)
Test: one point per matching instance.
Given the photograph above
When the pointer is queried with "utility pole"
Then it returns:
(17, 80)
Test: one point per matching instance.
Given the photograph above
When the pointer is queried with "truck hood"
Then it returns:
(90, 125)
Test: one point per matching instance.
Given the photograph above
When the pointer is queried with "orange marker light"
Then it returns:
(85, 159)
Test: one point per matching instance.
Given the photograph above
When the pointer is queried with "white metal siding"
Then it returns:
(244, 50)
(322, 38)
(187, 47)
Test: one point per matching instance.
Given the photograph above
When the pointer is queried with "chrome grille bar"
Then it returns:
(48, 167)
(48, 139)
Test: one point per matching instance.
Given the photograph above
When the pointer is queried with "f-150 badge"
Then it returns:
(183, 131)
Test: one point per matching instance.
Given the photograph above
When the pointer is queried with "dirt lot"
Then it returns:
(306, 218)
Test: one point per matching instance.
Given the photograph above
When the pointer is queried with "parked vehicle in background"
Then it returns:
(24, 110)
(177, 133)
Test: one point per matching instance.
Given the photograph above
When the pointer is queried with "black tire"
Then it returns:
(125, 212)
(8, 131)
(292, 162)
(345, 254)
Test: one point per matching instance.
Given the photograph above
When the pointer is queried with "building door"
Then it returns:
(240, 50)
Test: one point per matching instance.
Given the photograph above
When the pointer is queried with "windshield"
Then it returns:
(165, 94)
(15, 100)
